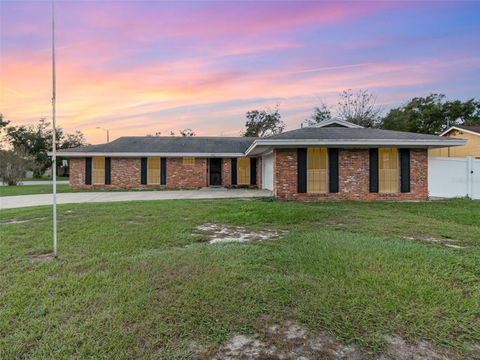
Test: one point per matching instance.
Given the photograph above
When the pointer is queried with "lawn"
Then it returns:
(134, 280)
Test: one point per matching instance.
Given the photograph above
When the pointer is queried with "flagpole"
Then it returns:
(54, 137)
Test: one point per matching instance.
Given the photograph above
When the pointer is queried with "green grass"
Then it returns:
(47, 189)
(132, 281)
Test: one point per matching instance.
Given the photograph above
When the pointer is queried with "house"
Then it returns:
(471, 148)
(334, 160)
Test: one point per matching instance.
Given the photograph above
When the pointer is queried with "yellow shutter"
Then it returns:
(98, 170)
(243, 171)
(317, 170)
(153, 171)
(388, 170)
(189, 160)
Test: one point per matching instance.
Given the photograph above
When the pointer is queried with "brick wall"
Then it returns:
(353, 177)
(181, 176)
(125, 173)
(77, 173)
(227, 172)
(259, 172)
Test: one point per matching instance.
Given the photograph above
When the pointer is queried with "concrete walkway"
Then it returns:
(37, 182)
(12, 202)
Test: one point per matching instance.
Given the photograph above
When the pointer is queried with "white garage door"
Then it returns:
(267, 171)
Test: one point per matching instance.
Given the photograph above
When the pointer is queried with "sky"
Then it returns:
(141, 67)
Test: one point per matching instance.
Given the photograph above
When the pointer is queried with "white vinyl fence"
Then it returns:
(454, 177)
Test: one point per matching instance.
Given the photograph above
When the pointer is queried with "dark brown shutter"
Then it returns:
(405, 170)
(88, 171)
(374, 170)
(163, 171)
(302, 170)
(108, 166)
(234, 171)
(333, 170)
(143, 171)
(253, 171)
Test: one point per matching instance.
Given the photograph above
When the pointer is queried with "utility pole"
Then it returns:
(54, 137)
(107, 131)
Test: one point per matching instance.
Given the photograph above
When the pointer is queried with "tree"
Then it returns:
(432, 114)
(263, 123)
(187, 132)
(36, 141)
(13, 166)
(3, 125)
(320, 113)
(74, 140)
(359, 107)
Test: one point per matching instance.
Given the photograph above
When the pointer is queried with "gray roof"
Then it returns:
(169, 144)
(474, 128)
(238, 146)
(327, 133)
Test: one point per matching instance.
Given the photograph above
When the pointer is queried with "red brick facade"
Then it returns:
(186, 176)
(125, 173)
(77, 172)
(353, 177)
(226, 172)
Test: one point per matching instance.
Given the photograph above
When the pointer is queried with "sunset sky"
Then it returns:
(139, 67)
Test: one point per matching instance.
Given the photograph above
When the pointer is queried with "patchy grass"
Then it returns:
(126, 285)
(61, 188)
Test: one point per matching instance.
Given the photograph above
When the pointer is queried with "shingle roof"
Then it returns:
(237, 146)
(169, 144)
(328, 133)
(474, 128)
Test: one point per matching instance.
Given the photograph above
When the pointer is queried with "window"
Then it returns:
(188, 161)
(316, 170)
(243, 171)
(387, 170)
(153, 171)
(98, 170)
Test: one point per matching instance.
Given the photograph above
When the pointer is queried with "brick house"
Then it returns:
(333, 160)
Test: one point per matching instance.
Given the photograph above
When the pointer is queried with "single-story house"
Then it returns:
(333, 160)
(471, 133)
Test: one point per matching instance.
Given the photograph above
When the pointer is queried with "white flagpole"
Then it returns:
(54, 140)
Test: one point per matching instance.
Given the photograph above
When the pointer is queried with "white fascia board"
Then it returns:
(458, 129)
(356, 142)
(137, 155)
(339, 122)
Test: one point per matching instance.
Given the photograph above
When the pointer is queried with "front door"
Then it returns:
(215, 171)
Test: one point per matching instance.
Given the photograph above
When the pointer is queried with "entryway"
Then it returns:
(215, 171)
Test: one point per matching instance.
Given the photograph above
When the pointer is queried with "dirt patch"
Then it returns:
(287, 341)
(293, 341)
(442, 241)
(220, 233)
(40, 257)
(13, 221)
(403, 350)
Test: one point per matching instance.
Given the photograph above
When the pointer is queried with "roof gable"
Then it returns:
(472, 129)
(336, 123)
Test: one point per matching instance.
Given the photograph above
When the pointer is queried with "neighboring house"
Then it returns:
(471, 148)
(334, 160)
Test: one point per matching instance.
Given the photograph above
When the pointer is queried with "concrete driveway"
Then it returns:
(12, 202)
